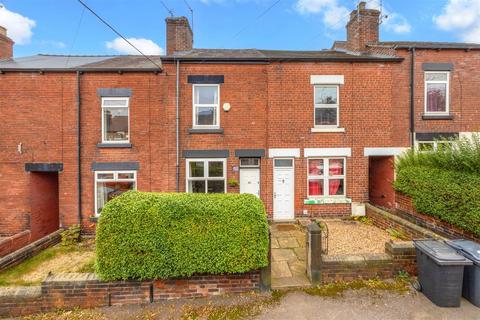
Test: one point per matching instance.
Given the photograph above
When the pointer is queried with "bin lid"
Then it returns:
(468, 248)
(441, 252)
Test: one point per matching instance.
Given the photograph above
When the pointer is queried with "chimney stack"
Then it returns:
(363, 28)
(6, 44)
(179, 35)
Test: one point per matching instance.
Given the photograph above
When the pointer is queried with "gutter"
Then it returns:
(177, 125)
(79, 154)
(412, 97)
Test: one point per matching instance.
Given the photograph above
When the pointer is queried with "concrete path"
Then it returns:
(288, 256)
(366, 305)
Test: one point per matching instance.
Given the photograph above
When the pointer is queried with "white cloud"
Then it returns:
(19, 28)
(391, 21)
(145, 45)
(334, 15)
(461, 16)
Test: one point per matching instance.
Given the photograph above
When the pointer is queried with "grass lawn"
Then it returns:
(57, 259)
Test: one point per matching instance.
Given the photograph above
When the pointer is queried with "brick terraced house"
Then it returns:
(310, 132)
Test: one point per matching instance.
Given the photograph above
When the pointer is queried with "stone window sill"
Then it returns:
(93, 218)
(114, 145)
(326, 200)
(327, 130)
(437, 117)
(205, 131)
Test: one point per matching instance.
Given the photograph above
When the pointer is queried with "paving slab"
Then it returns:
(281, 269)
(289, 242)
(283, 255)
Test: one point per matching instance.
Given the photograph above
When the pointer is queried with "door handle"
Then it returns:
(274, 195)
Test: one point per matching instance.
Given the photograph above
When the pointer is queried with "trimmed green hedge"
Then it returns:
(451, 196)
(144, 235)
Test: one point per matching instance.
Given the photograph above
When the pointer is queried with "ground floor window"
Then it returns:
(109, 184)
(206, 175)
(326, 177)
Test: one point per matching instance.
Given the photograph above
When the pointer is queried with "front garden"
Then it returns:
(445, 183)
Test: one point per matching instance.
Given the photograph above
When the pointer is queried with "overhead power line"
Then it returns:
(170, 11)
(118, 33)
(264, 12)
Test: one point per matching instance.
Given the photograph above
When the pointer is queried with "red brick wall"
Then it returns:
(71, 291)
(381, 177)
(6, 47)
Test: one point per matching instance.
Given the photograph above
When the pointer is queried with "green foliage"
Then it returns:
(462, 155)
(233, 182)
(70, 236)
(363, 219)
(451, 196)
(397, 234)
(164, 235)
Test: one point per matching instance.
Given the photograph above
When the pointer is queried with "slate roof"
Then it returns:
(65, 63)
(428, 45)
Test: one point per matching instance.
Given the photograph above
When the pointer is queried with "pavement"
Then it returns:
(288, 256)
(366, 305)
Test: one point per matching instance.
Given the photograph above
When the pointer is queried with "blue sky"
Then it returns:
(50, 26)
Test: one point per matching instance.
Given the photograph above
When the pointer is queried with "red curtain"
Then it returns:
(315, 187)
(435, 100)
(335, 169)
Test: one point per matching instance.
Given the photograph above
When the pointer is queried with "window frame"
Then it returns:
(324, 106)
(103, 119)
(434, 143)
(195, 105)
(115, 179)
(447, 93)
(327, 178)
(205, 172)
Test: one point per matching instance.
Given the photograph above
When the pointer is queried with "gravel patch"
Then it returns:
(353, 237)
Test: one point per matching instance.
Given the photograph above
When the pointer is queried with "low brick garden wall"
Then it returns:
(15, 242)
(405, 210)
(398, 257)
(68, 291)
(20, 255)
(386, 220)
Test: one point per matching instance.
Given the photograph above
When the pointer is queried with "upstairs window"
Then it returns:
(437, 92)
(326, 177)
(430, 146)
(206, 106)
(206, 176)
(326, 106)
(115, 120)
(110, 184)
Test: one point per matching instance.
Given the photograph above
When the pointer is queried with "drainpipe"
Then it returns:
(79, 156)
(177, 125)
(412, 97)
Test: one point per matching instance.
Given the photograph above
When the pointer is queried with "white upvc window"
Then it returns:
(115, 120)
(326, 177)
(206, 106)
(110, 184)
(437, 92)
(206, 176)
(430, 146)
(326, 106)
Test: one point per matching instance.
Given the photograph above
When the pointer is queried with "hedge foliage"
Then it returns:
(452, 196)
(144, 235)
(461, 155)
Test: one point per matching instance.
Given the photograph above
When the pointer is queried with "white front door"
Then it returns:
(283, 189)
(250, 181)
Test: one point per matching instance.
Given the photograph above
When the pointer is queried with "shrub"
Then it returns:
(451, 196)
(70, 236)
(463, 155)
(164, 235)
